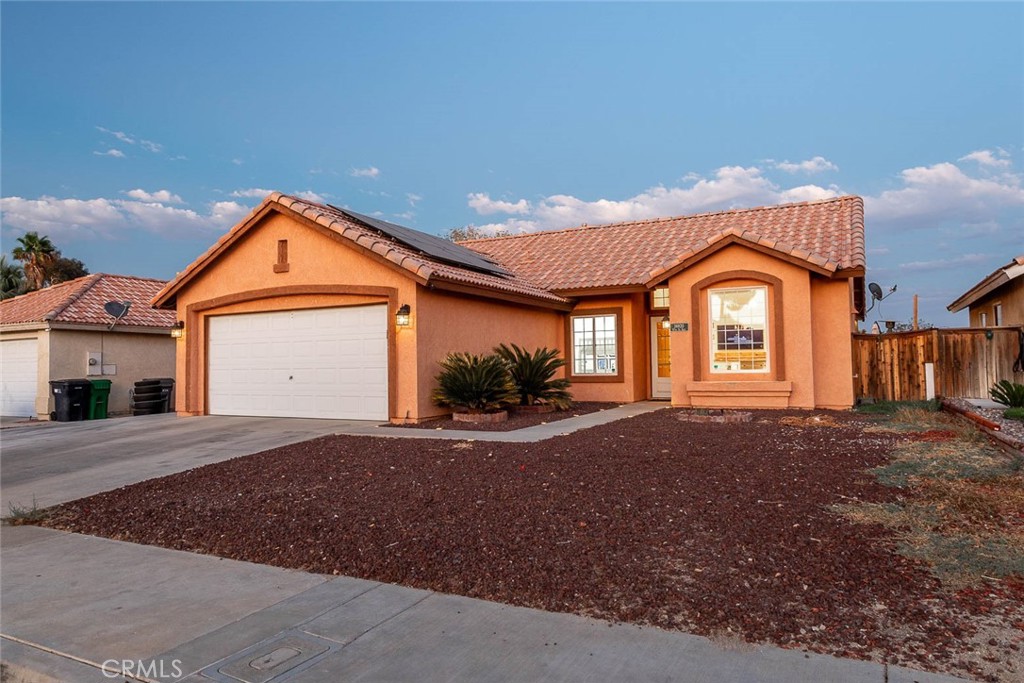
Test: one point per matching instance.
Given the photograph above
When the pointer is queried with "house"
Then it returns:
(308, 310)
(997, 300)
(63, 332)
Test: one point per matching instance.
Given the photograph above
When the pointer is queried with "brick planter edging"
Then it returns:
(721, 416)
(481, 418)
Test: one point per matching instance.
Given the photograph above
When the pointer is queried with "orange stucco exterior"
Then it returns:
(809, 325)
(810, 321)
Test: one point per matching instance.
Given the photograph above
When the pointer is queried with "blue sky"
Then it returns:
(134, 134)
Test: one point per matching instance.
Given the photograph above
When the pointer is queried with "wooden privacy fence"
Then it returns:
(963, 362)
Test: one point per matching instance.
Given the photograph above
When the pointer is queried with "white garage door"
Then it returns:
(325, 362)
(19, 363)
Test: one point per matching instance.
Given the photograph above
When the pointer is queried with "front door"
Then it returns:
(661, 363)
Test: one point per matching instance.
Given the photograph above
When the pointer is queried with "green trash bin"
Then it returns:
(98, 399)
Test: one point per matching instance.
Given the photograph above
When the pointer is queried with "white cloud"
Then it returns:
(808, 193)
(945, 264)
(111, 153)
(484, 205)
(406, 215)
(120, 135)
(151, 146)
(68, 219)
(414, 199)
(252, 193)
(729, 187)
(371, 172)
(986, 157)
(818, 164)
(160, 196)
(941, 192)
(311, 196)
(237, 162)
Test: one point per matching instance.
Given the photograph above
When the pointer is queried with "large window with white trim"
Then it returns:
(739, 329)
(595, 344)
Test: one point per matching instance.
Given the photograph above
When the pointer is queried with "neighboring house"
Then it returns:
(63, 332)
(997, 300)
(308, 310)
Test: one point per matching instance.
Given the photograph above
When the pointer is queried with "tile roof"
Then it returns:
(81, 301)
(421, 266)
(827, 234)
(1011, 271)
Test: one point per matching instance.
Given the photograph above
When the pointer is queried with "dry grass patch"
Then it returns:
(963, 507)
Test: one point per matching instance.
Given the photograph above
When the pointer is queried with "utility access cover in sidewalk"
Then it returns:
(275, 659)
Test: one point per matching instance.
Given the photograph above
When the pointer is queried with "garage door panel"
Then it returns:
(329, 363)
(19, 365)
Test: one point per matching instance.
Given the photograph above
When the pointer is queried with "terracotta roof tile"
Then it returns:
(81, 301)
(828, 234)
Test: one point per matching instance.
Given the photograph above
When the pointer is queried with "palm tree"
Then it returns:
(37, 253)
(12, 278)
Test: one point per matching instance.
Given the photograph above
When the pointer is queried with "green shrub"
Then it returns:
(532, 376)
(474, 383)
(1008, 393)
(1014, 414)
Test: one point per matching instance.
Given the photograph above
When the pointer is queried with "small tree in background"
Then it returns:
(37, 254)
(65, 269)
(12, 278)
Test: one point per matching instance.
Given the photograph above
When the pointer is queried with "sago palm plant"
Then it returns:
(532, 375)
(474, 383)
(1008, 393)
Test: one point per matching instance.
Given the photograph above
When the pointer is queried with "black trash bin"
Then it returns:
(152, 396)
(71, 399)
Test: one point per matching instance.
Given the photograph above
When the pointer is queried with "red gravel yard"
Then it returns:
(731, 531)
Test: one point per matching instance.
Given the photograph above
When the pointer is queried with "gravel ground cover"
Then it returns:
(729, 531)
(515, 420)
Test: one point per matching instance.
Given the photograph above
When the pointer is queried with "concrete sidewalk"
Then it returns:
(72, 603)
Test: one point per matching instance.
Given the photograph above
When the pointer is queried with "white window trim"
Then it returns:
(713, 341)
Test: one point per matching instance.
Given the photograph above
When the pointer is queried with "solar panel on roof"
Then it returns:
(431, 245)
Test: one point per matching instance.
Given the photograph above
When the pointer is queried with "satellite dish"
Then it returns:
(117, 310)
(876, 294)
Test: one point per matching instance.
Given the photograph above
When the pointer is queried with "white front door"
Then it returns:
(322, 362)
(19, 364)
(661, 364)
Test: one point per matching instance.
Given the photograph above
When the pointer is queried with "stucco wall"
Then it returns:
(324, 270)
(634, 354)
(135, 355)
(832, 322)
(445, 323)
(1010, 295)
(809, 333)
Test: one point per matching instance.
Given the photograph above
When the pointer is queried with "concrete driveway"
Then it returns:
(61, 461)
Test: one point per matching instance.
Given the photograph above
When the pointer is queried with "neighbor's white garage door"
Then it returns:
(326, 362)
(19, 363)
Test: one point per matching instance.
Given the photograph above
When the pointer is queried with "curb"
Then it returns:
(988, 427)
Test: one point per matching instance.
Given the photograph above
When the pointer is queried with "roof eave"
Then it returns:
(444, 284)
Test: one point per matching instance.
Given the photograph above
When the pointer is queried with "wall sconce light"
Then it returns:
(403, 318)
(178, 329)
(666, 323)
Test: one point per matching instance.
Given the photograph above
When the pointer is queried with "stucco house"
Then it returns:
(63, 332)
(308, 310)
(997, 300)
